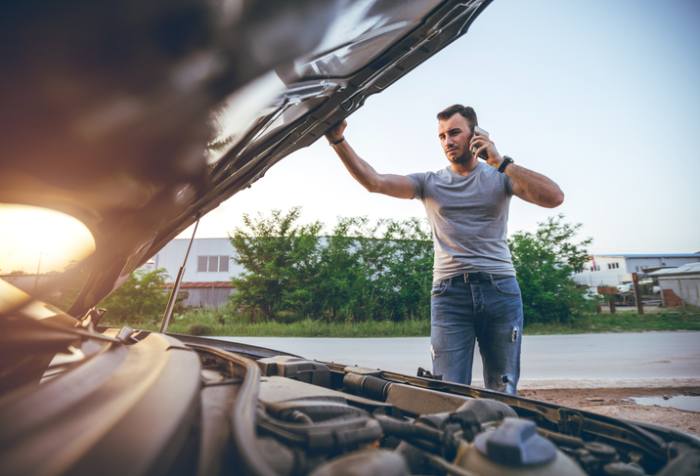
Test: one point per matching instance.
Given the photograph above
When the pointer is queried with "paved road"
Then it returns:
(564, 361)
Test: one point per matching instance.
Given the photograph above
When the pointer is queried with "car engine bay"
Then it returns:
(326, 419)
(125, 401)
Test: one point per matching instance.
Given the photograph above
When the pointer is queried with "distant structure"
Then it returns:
(208, 271)
(679, 286)
(616, 269)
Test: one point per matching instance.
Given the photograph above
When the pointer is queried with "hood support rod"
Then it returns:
(176, 286)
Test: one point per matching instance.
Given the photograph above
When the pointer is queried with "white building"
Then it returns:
(208, 271)
(615, 269)
(210, 259)
(680, 286)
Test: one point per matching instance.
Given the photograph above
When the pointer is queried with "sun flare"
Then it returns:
(36, 240)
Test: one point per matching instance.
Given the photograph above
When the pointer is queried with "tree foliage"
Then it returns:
(281, 261)
(382, 270)
(360, 271)
(141, 298)
(545, 262)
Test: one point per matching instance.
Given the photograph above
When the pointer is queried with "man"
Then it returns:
(475, 294)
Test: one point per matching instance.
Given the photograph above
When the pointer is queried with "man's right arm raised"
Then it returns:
(398, 186)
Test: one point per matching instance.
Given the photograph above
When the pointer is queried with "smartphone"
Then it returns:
(481, 132)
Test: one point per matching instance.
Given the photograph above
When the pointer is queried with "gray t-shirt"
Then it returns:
(469, 219)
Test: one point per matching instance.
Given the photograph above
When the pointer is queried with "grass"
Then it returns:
(623, 322)
(215, 323)
(203, 324)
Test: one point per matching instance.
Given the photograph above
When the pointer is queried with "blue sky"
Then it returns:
(601, 96)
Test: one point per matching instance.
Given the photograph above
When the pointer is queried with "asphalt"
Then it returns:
(639, 359)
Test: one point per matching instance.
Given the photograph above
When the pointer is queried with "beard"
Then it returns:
(462, 159)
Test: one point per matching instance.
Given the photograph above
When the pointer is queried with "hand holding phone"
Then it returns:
(478, 131)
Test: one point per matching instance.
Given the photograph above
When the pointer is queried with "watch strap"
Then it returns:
(506, 162)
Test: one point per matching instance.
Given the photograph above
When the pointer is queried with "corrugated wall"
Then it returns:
(209, 298)
(685, 288)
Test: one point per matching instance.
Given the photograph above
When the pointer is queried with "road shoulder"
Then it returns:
(618, 403)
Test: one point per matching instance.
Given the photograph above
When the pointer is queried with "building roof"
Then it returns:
(686, 269)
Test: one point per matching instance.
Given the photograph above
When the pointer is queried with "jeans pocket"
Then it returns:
(507, 286)
(438, 288)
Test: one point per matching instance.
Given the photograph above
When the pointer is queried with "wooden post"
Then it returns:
(609, 293)
(637, 294)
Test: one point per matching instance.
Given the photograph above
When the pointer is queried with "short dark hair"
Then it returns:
(465, 111)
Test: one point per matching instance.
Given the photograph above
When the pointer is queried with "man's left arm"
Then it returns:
(533, 187)
(525, 183)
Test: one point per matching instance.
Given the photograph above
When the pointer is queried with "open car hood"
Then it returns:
(136, 119)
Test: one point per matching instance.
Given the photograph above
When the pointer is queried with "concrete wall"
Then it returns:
(686, 288)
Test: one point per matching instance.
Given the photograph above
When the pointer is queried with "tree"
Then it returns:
(360, 271)
(142, 298)
(404, 269)
(342, 278)
(280, 258)
(545, 262)
(376, 271)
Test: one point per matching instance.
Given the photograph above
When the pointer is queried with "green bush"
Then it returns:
(382, 271)
(200, 330)
(281, 260)
(141, 298)
(360, 271)
(545, 262)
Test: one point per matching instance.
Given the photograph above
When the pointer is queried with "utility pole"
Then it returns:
(637, 294)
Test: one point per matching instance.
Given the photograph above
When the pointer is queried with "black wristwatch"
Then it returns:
(506, 162)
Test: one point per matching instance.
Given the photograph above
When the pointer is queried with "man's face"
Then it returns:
(454, 134)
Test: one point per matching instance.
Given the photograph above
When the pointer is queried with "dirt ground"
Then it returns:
(617, 402)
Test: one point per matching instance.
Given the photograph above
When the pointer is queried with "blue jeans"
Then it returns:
(478, 306)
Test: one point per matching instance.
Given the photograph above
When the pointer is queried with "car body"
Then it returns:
(129, 121)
